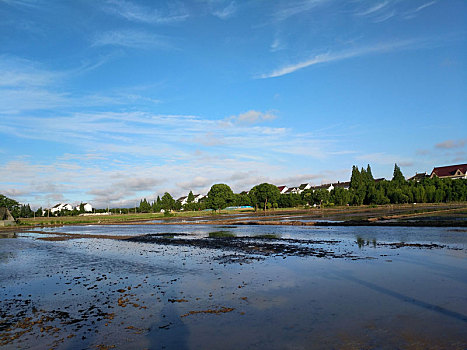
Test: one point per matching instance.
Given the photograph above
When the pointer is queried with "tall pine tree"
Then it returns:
(397, 176)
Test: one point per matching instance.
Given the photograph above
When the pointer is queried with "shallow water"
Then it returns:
(137, 295)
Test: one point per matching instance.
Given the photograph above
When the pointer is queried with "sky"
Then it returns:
(112, 101)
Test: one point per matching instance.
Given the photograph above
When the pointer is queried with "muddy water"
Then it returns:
(99, 293)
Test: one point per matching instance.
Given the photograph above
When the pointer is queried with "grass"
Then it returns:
(221, 234)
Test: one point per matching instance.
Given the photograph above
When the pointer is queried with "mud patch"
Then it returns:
(263, 246)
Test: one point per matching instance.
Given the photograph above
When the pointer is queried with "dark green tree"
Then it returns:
(12, 205)
(397, 176)
(144, 206)
(242, 199)
(369, 174)
(355, 178)
(39, 212)
(219, 197)
(263, 194)
(340, 196)
(321, 196)
(191, 197)
(167, 202)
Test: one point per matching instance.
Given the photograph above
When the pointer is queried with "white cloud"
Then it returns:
(196, 183)
(226, 12)
(374, 8)
(19, 72)
(277, 45)
(421, 7)
(26, 86)
(25, 3)
(138, 154)
(251, 117)
(131, 38)
(292, 8)
(342, 55)
(137, 13)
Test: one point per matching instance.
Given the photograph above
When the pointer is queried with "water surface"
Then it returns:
(96, 291)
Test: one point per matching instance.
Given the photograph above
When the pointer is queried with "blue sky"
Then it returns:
(108, 102)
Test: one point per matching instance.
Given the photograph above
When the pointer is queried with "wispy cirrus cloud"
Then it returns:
(328, 57)
(132, 39)
(21, 72)
(174, 12)
(421, 7)
(384, 10)
(373, 9)
(25, 3)
(27, 85)
(292, 8)
(225, 12)
(378, 12)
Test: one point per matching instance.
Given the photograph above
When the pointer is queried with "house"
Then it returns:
(61, 206)
(5, 217)
(450, 172)
(294, 190)
(304, 187)
(282, 189)
(344, 185)
(328, 187)
(198, 197)
(87, 207)
(183, 200)
(418, 177)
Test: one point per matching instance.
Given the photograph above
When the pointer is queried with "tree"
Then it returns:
(219, 197)
(397, 177)
(167, 202)
(369, 174)
(321, 196)
(355, 179)
(307, 196)
(81, 208)
(144, 206)
(263, 194)
(191, 197)
(12, 205)
(340, 196)
(242, 199)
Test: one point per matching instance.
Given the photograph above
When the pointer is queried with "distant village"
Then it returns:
(445, 172)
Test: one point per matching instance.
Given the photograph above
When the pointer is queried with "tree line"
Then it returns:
(363, 190)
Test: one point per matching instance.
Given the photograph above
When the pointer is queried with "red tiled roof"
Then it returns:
(449, 170)
(281, 187)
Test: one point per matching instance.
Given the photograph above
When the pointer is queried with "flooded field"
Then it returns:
(233, 287)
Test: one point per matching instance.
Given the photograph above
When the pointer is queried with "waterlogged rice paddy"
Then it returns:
(234, 287)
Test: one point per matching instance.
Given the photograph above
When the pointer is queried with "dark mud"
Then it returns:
(262, 246)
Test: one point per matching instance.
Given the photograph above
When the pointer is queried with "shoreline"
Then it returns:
(405, 215)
